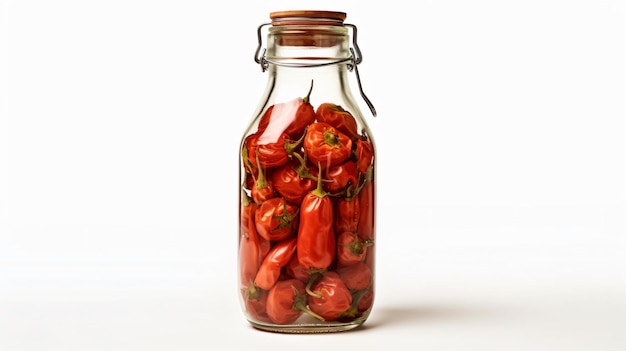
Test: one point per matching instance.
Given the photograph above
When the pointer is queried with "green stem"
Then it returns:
(310, 283)
(291, 146)
(285, 219)
(308, 96)
(319, 191)
(299, 304)
(260, 181)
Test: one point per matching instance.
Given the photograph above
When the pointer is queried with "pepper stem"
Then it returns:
(299, 304)
(308, 96)
(285, 220)
(331, 139)
(309, 284)
(303, 171)
(291, 146)
(319, 191)
(252, 292)
(260, 181)
(353, 310)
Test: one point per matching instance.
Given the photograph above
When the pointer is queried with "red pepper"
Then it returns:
(316, 237)
(294, 269)
(350, 248)
(356, 276)
(294, 180)
(262, 190)
(361, 301)
(367, 203)
(249, 246)
(339, 118)
(249, 168)
(290, 117)
(270, 268)
(328, 296)
(366, 301)
(271, 150)
(364, 154)
(255, 301)
(347, 212)
(276, 219)
(341, 177)
(264, 247)
(286, 302)
(324, 144)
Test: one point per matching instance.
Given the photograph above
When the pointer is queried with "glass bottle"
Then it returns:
(307, 177)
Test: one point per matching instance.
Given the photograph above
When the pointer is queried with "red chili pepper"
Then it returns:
(367, 203)
(294, 180)
(249, 168)
(290, 117)
(366, 301)
(361, 301)
(264, 248)
(328, 296)
(350, 248)
(294, 269)
(262, 189)
(324, 144)
(341, 177)
(249, 246)
(347, 212)
(357, 276)
(270, 268)
(364, 154)
(276, 219)
(271, 150)
(339, 118)
(255, 301)
(286, 302)
(316, 237)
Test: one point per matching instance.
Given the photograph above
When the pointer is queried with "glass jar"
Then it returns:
(307, 176)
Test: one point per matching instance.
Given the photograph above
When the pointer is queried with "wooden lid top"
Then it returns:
(295, 17)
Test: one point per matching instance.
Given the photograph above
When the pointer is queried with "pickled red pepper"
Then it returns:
(309, 216)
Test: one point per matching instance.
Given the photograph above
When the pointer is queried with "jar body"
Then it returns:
(306, 259)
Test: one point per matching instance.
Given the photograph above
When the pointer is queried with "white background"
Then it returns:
(501, 148)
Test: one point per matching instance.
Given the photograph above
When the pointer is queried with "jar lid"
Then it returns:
(309, 17)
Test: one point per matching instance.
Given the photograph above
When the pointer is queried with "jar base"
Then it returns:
(310, 328)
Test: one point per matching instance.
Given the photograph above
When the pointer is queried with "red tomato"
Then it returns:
(276, 219)
(339, 118)
(332, 297)
(326, 145)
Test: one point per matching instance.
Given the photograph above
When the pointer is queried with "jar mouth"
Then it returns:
(307, 17)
